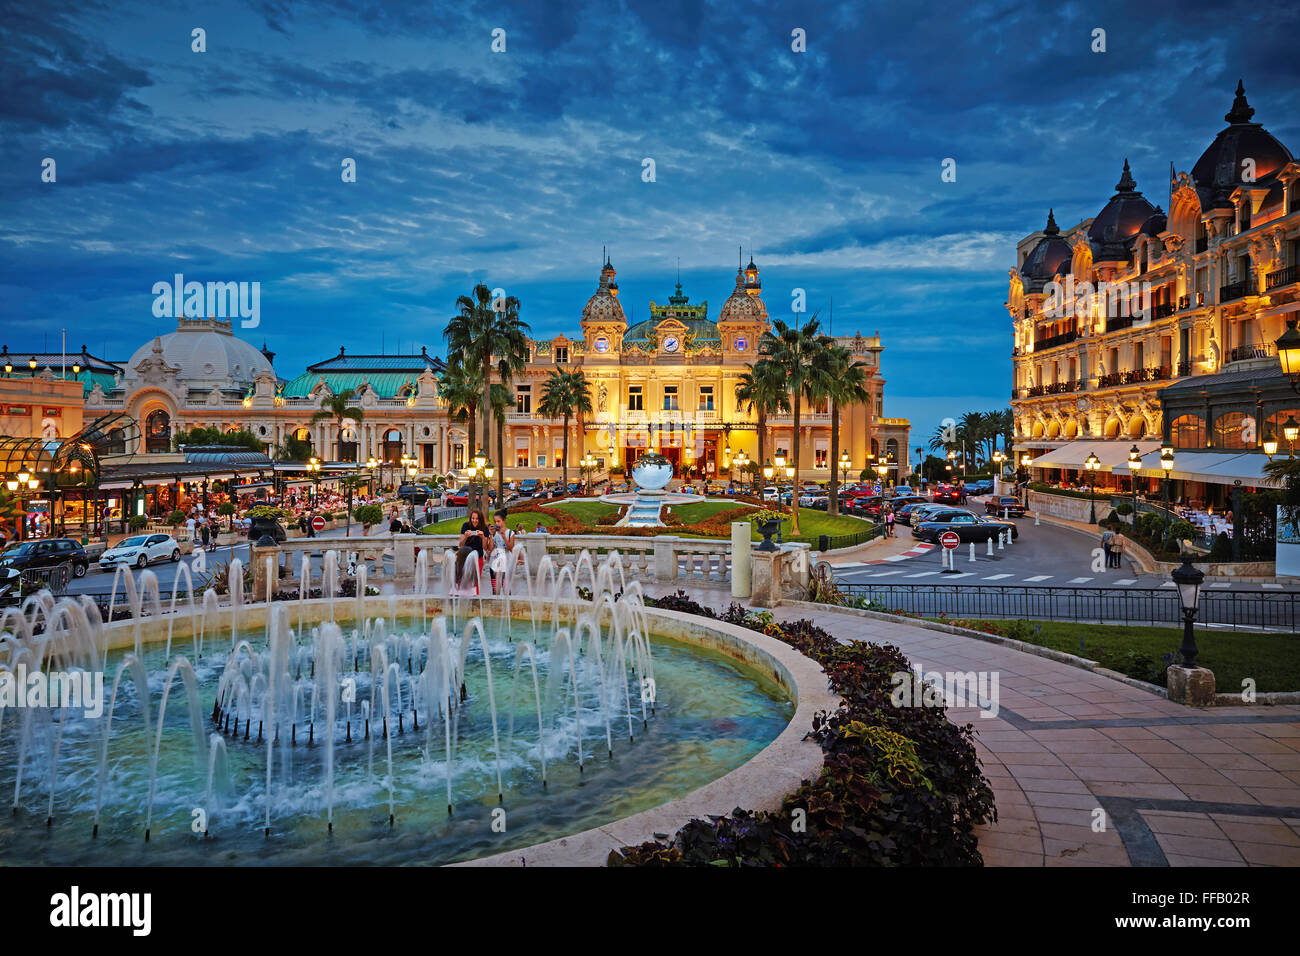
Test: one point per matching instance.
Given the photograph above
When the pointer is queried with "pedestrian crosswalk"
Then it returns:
(861, 574)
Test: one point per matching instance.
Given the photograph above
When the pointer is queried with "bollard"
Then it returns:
(972, 552)
(1001, 545)
(1035, 519)
(990, 546)
(1011, 538)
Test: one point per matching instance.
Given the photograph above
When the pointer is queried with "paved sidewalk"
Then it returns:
(1070, 751)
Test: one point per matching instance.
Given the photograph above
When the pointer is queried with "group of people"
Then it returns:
(493, 546)
(203, 528)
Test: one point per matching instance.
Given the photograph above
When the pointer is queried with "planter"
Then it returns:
(767, 529)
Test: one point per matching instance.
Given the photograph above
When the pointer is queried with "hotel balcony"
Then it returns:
(1163, 310)
(1237, 290)
(1280, 278)
(1243, 353)
(1055, 340)
(1135, 376)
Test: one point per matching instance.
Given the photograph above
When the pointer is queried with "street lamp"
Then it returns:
(1092, 463)
(481, 474)
(741, 461)
(998, 459)
(1288, 353)
(1167, 463)
(1134, 462)
(1291, 431)
(1188, 579)
(588, 465)
(845, 464)
(372, 463)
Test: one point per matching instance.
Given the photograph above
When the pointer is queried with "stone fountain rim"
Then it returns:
(760, 783)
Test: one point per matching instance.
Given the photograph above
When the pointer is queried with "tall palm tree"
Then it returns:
(458, 386)
(970, 431)
(845, 384)
(796, 350)
(564, 395)
(502, 401)
(336, 408)
(762, 389)
(488, 339)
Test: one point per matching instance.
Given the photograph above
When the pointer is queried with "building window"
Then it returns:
(524, 399)
(458, 457)
(1232, 429)
(541, 461)
(820, 456)
(635, 399)
(561, 355)
(158, 432)
(706, 398)
(670, 398)
(880, 406)
(521, 456)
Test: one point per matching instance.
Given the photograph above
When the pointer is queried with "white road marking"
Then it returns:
(1272, 587)
(1168, 584)
(850, 564)
(996, 577)
(923, 574)
(1078, 580)
(1127, 581)
(1038, 577)
(884, 574)
(1220, 585)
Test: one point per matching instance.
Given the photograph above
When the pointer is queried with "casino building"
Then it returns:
(1199, 371)
(665, 383)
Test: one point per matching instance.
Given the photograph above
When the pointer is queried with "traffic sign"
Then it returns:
(318, 524)
(949, 539)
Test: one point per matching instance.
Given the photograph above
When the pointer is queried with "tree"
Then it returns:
(293, 449)
(564, 395)
(797, 352)
(336, 408)
(845, 382)
(762, 389)
(486, 331)
(970, 432)
(502, 401)
(241, 438)
(458, 386)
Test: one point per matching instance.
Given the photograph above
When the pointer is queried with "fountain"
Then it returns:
(650, 475)
(353, 729)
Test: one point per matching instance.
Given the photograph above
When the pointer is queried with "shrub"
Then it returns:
(369, 514)
(136, 522)
(1123, 508)
(176, 518)
(1181, 530)
(900, 786)
(1111, 518)
(1222, 549)
(267, 511)
(226, 508)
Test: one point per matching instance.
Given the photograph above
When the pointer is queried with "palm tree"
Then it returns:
(458, 387)
(796, 351)
(480, 335)
(846, 385)
(565, 394)
(501, 403)
(336, 408)
(762, 390)
(970, 432)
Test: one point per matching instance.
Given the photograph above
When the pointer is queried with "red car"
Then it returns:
(458, 497)
(946, 494)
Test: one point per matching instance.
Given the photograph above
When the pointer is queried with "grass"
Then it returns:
(695, 511)
(588, 512)
(1272, 661)
(528, 519)
(813, 523)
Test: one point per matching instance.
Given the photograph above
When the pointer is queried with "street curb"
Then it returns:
(1145, 560)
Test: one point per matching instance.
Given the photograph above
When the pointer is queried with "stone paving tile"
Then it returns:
(1183, 824)
(1126, 788)
(1269, 854)
(1004, 857)
(1085, 852)
(1177, 859)
(1061, 798)
(1276, 797)
(1216, 794)
(1210, 849)
(1266, 831)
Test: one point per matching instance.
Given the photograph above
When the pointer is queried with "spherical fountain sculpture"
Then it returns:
(651, 475)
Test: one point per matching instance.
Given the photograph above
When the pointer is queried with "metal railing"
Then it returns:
(1260, 350)
(54, 579)
(1148, 606)
(1234, 290)
(1281, 277)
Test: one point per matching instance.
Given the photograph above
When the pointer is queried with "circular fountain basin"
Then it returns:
(729, 712)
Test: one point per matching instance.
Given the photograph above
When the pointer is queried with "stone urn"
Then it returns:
(767, 528)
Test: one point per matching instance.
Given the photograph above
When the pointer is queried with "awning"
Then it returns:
(1113, 455)
(1280, 309)
(1216, 468)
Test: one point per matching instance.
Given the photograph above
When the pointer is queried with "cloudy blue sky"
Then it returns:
(515, 168)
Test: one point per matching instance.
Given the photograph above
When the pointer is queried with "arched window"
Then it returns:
(1234, 430)
(158, 431)
(1273, 425)
(1187, 431)
(392, 445)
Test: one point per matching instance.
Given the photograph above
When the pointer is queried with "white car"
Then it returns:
(809, 499)
(141, 550)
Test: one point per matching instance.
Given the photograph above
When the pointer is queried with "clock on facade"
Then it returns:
(671, 343)
(601, 344)
(742, 343)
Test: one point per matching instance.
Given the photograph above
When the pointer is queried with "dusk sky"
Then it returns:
(515, 168)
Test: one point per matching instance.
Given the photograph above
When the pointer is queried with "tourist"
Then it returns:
(189, 526)
(1107, 541)
(503, 543)
(204, 533)
(540, 528)
(1117, 550)
(474, 541)
(889, 522)
(394, 525)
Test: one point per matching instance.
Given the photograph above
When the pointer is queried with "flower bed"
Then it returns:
(900, 786)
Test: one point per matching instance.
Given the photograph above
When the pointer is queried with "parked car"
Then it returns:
(458, 497)
(969, 527)
(1006, 505)
(416, 494)
(982, 487)
(618, 488)
(809, 499)
(46, 553)
(141, 550)
(529, 487)
(905, 513)
(946, 494)
(902, 490)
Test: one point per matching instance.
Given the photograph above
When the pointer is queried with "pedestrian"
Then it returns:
(204, 533)
(889, 522)
(1117, 549)
(189, 526)
(1107, 540)
(503, 542)
(394, 525)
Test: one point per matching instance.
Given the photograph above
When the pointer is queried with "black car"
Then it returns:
(968, 527)
(1005, 505)
(416, 494)
(46, 553)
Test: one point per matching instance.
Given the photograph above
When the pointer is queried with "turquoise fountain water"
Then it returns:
(467, 725)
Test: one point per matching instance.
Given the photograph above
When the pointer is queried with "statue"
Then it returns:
(604, 397)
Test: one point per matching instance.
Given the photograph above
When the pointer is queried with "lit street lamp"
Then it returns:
(588, 465)
(1188, 579)
(1291, 431)
(845, 464)
(1024, 463)
(1092, 463)
(481, 474)
(1288, 353)
(1167, 463)
(1134, 462)
(313, 469)
(741, 461)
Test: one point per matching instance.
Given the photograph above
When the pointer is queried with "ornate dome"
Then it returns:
(207, 354)
(1122, 217)
(1048, 256)
(604, 305)
(1156, 223)
(1219, 170)
(743, 305)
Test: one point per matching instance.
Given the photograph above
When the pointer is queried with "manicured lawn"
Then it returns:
(588, 512)
(528, 519)
(813, 523)
(1271, 660)
(699, 510)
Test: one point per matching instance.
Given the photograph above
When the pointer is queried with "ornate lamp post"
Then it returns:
(1024, 463)
(779, 461)
(998, 459)
(845, 464)
(481, 475)
(1188, 579)
(313, 469)
(1092, 464)
(1134, 463)
(371, 464)
(588, 465)
(741, 461)
(768, 473)
(1167, 463)
(1291, 431)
